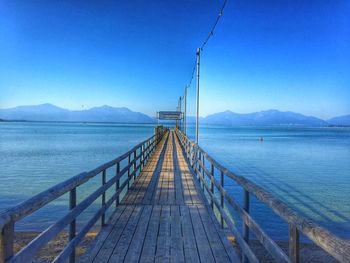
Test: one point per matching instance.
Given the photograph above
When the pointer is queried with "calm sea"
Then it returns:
(308, 168)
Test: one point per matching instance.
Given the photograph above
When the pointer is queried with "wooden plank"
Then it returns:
(189, 177)
(176, 249)
(44, 237)
(163, 242)
(135, 248)
(165, 175)
(148, 175)
(204, 249)
(136, 192)
(223, 237)
(150, 243)
(335, 246)
(179, 189)
(36, 202)
(186, 190)
(233, 257)
(99, 240)
(108, 246)
(142, 190)
(133, 191)
(151, 192)
(216, 245)
(171, 185)
(183, 173)
(121, 247)
(189, 240)
(158, 189)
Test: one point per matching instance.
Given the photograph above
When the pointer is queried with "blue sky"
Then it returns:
(281, 54)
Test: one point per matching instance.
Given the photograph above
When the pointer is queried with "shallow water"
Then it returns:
(307, 167)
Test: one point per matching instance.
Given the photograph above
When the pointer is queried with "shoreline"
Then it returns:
(309, 252)
(49, 252)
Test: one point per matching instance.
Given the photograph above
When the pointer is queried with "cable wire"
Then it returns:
(211, 33)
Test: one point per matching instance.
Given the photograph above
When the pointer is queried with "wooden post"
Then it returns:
(129, 171)
(134, 165)
(155, 133)
(194, 157)
(145, 158)
(199, 158)
(187, 150)
(293, 244)
(191, 156)
(245, 226)
(202, 170)
(6, 242)
(222, 183)
(72, 226)
(142, 157)
(117, 184)
(103, 198)
(212, 186)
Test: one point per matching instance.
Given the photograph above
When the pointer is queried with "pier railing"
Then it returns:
(135, 160)
(204, 167)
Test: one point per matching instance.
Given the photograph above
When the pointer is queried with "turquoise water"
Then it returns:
(307, 168)
(37, 155)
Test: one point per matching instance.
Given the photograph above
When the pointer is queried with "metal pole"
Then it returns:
(185, 106)
(177, 109)
(180, 111)
(197, 100)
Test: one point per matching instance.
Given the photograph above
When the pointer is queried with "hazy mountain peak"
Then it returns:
(268, 117)
(50, 112)
(106, 113)
(341, 120)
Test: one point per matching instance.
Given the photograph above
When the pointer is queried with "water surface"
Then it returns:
(308, 168)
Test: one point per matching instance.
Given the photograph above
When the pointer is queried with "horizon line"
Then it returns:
(151, 116)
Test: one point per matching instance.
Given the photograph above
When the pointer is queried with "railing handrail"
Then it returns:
(137, 158)
(334, 245)
(25, 208)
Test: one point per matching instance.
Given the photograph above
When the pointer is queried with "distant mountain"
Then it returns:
(340, 121)
(49, 112)
(269, 117)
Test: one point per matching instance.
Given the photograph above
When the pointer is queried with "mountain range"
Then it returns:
(49, 112)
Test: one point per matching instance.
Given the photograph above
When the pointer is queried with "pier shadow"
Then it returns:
(151, 187)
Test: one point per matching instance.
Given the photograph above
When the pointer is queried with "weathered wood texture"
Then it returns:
(163, 218)
(173, 187)
(200, 162)
(140, 154)
(164, 180)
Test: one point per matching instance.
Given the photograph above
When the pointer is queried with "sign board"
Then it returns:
(170, 115)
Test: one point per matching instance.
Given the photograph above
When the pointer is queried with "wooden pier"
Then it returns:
(163, 218)
(169, 204)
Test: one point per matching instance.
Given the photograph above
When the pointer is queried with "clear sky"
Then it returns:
(281, 54)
